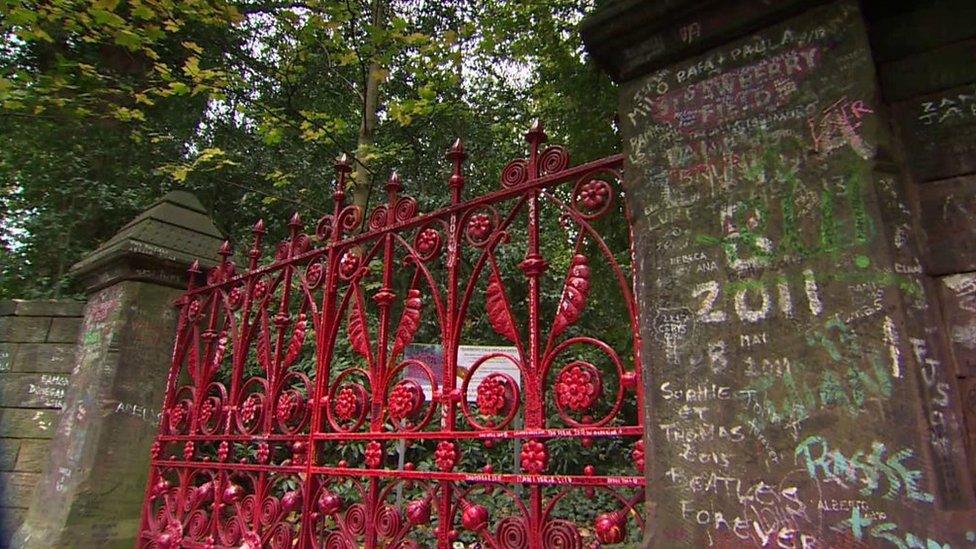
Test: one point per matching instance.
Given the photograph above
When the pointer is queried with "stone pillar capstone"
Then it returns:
(797, 372)
(91, 492)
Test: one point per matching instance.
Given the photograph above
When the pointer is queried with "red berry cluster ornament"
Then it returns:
(155, 450)
(479, 226)
(491, 395)
(260, 289)
(263, 453)
(314, 273)
(177, 415)
(249, 410)
(223, 451)
(252, 540)
(638, 455)
(427, 241)
(193, 310)
(236, 297)
(403, 401)
(534, 457)
(188, 451)
(374, 454)
(348, 264)
(594, 194)
(446, 455)
(288, 405)
(206, 411)
(345, 404)
(578, 387)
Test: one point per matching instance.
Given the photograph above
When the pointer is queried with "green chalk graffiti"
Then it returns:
(862, 526)
(868, 470)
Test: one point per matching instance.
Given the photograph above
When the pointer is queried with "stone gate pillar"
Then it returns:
(797, 375)
(91, 492)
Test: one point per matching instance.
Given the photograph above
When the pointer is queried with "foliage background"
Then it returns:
(107, 104)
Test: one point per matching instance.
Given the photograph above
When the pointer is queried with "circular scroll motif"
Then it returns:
(512, 533)
(515, 173)
(552, 160)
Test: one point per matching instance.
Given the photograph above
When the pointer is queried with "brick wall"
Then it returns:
(37, 353)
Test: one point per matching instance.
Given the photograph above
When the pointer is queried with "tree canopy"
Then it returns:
(107, 104)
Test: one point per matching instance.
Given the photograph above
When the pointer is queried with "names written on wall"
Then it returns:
(49, 390)
(775, 308)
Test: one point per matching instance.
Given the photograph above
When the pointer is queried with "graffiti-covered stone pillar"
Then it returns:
(91, 491)
(797, 377)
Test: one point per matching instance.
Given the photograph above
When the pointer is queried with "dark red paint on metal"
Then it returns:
(240, 454)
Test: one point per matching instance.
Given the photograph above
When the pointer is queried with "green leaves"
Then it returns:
(247, 104)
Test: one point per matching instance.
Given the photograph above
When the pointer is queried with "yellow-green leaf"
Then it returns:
(179, 174)
(428, 93)
(128, 40)
(105, 17)
(192, 66)
(348, 58)
(108, 5)
(143, 12)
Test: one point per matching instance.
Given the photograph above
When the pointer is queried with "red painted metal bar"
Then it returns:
(272, 438)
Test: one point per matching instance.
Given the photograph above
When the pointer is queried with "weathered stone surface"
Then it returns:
(42, 307)
(33, 382)
(939, 132)
(931, 71)
(967, 389)
(156, 246)
(16, 329)
(7, 351)
(33, 390)
(64, 330)
(33, 455)
(9, 447)
(947, 212)
(27, 423)
(786, 322)
(958, 297)
(92, 490)
(10, 519)
(56, 358)
(897, 32)
(16, 488)
(630, 37)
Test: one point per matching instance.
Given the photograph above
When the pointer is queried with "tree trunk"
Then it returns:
(361, 180)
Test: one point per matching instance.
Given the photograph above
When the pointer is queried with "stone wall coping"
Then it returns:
(157, 246)
(630, 38)
(41, 307)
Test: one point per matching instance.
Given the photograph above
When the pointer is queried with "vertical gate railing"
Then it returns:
(291, 388)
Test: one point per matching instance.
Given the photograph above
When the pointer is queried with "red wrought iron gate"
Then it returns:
(291, 392)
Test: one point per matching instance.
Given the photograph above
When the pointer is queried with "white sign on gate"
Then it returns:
(433, 356)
